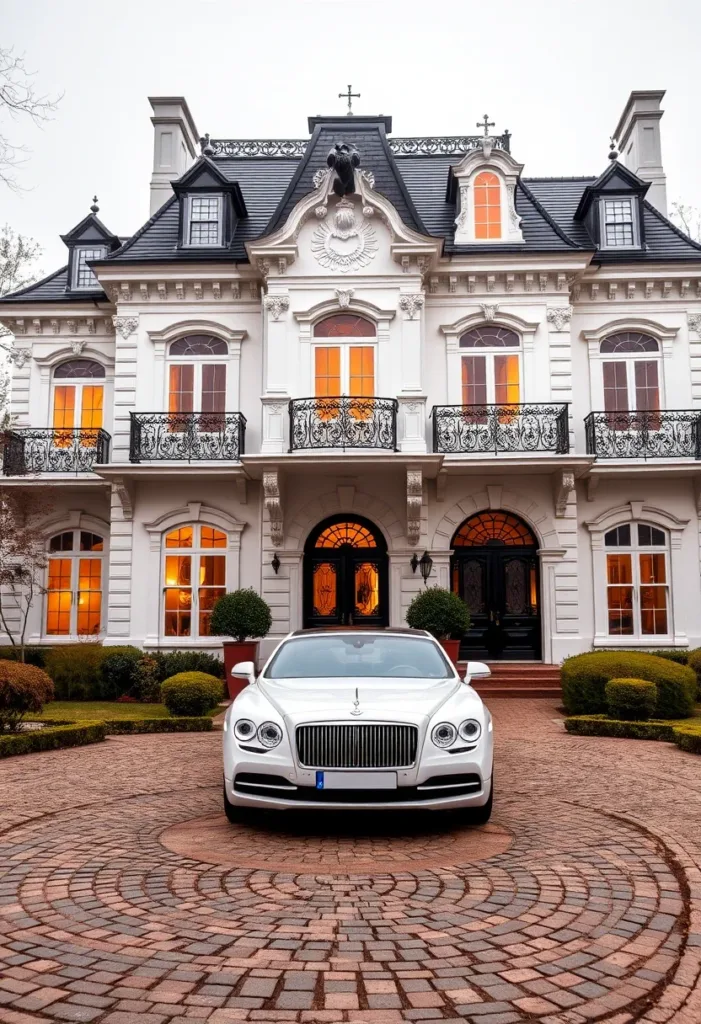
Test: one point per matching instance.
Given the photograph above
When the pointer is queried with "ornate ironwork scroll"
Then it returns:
(259, 147)
(27, 450)
(187, 436)
(343, 423)
(644, 434)
(451, 145)
(483, 429)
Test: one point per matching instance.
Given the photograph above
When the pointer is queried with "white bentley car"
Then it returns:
(358, 719)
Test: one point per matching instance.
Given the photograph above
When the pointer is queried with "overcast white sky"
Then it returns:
(556, 73)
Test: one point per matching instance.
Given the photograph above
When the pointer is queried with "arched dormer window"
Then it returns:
(343, 364)
(77, 401)
(487, 204)
(197, 374)
(493, 376)
(631, 372)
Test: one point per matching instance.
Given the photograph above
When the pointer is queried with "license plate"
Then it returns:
(356, 780)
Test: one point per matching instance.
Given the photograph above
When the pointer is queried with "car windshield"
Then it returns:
(334, 656)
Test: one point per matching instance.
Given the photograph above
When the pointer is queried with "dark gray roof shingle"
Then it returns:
(53, 289)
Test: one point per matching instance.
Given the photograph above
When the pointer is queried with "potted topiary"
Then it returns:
(444, 615)
(245, 617)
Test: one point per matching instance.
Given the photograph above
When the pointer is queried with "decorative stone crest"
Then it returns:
(319, 177)
(125, 325)
(694, 321)
(344, 297)
(277, 304)
(411, 304)
(77, 346)
(489, 311)
(18, 356)
(559, 317)
(414, 499)
(273, 506)
(344, 245)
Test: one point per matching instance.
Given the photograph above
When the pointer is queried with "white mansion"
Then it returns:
(323, 360)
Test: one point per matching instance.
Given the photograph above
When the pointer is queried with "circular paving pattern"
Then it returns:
(275, 846)
(147, 905)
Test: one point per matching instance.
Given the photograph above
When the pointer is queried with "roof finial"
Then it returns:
(205, 145)
(486, 124)
(350, 96)
(94, 208)
(613, 152)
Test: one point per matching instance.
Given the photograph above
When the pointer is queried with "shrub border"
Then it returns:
(121, 726)
(66, 734)
(599, 725)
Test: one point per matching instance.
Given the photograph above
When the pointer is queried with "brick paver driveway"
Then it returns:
(581, 903)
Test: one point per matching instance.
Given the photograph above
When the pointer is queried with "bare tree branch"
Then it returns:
(23, 557)
(19, 98)
(688, 218)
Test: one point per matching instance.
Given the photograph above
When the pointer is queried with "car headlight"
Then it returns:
(269, 734)
(470, 730)
(444, 734)
(245, 730)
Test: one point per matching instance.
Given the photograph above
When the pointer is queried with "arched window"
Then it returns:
(194, 577)
(631, 373)
(493, 528)
(74, 584)
(487, 190)
(346, 367)
(491, 378)
(78, 401)
(637, 580)
(346, 533)
(197, 374)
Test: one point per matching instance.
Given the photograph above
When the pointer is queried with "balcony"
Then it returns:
(27, 451)
(495, 429)
(187, 436)
(644, 435)
(343, 422)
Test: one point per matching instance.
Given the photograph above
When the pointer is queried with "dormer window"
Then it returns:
(83, 277)
(487, 205)
(484, 187)
(204, 220)
(618, 228)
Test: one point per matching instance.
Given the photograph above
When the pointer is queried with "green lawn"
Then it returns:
(97, 711)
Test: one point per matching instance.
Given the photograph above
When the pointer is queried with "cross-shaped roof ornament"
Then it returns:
(486, 124)
(350, 96)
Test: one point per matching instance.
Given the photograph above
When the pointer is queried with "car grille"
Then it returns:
(357, 746)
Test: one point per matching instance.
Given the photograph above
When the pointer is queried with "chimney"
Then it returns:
(638, 137)
(175, 140)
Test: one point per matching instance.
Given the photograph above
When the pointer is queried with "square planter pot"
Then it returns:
(452, 649)
(234, 652)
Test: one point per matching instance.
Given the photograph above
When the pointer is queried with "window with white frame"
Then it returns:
(74, 584)
(344, 356)
(490, 366)
(619, 227)
(197, 374)
(194, 577)
(637, 581)
(83, 277)
(204, 220)
(631, 372)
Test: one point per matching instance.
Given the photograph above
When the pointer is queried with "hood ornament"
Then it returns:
(356, 708)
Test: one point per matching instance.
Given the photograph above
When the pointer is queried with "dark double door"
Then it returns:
(501, 587)
(346, 587)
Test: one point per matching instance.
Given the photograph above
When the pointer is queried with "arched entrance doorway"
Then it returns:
(345, 574)
(494, 568)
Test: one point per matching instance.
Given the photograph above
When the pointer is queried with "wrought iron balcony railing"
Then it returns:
(493, 429)
(343, 422)
(650, 434)
(27, 450)
(187, 436)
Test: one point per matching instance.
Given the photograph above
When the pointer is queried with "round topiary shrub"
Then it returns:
(440, 612)
(584, 679)
(242, 615)
(191, 693)
(631, 700)
(23, 688)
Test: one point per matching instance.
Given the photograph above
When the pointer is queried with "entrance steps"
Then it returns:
(518, 679)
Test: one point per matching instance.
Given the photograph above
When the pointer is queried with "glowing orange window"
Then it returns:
(487, 190)
(506, 382)
(327, 371)
(362, 370)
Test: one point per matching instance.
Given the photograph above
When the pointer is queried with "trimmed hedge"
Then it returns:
(688, 737)
(633, 700)
(173, 663)
(191, 693)
(600, 725)
(76, 670)
(584, 679)
(32, 655)
(118, 726)
(53, 738)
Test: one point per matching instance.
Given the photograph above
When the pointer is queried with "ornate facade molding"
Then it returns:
(489, 310)
(411, 305)
(694, 321)
(276, 304)
(272, 503)
(77, 346)
(120, 490)
(563, 486)
(345, 244)
(125, 325)
(559, 317)
(414, 500)
(18, 356)
(344, 297)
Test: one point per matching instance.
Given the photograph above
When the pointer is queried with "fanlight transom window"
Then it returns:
(629, 342)
(344, 325)
(494, 528)
(74, 584)
(199, 345)
(490, 336)
(79, 368)
(637, 580)
(346, 534)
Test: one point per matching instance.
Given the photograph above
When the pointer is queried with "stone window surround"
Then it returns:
(665, 337)
(161, 343)
(42, 414)
(454, 353)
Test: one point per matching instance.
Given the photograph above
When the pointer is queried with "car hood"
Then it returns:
(396, 700)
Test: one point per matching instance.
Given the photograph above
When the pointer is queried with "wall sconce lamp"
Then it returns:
(414, 563)
(426, 564)
(275, 564)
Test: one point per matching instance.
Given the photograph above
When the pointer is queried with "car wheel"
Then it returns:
(481, 815)
(234, 813)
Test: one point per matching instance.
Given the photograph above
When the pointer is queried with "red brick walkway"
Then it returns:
(582, 903)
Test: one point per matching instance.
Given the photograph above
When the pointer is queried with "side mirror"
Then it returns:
(476, 670)
(244, 670)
